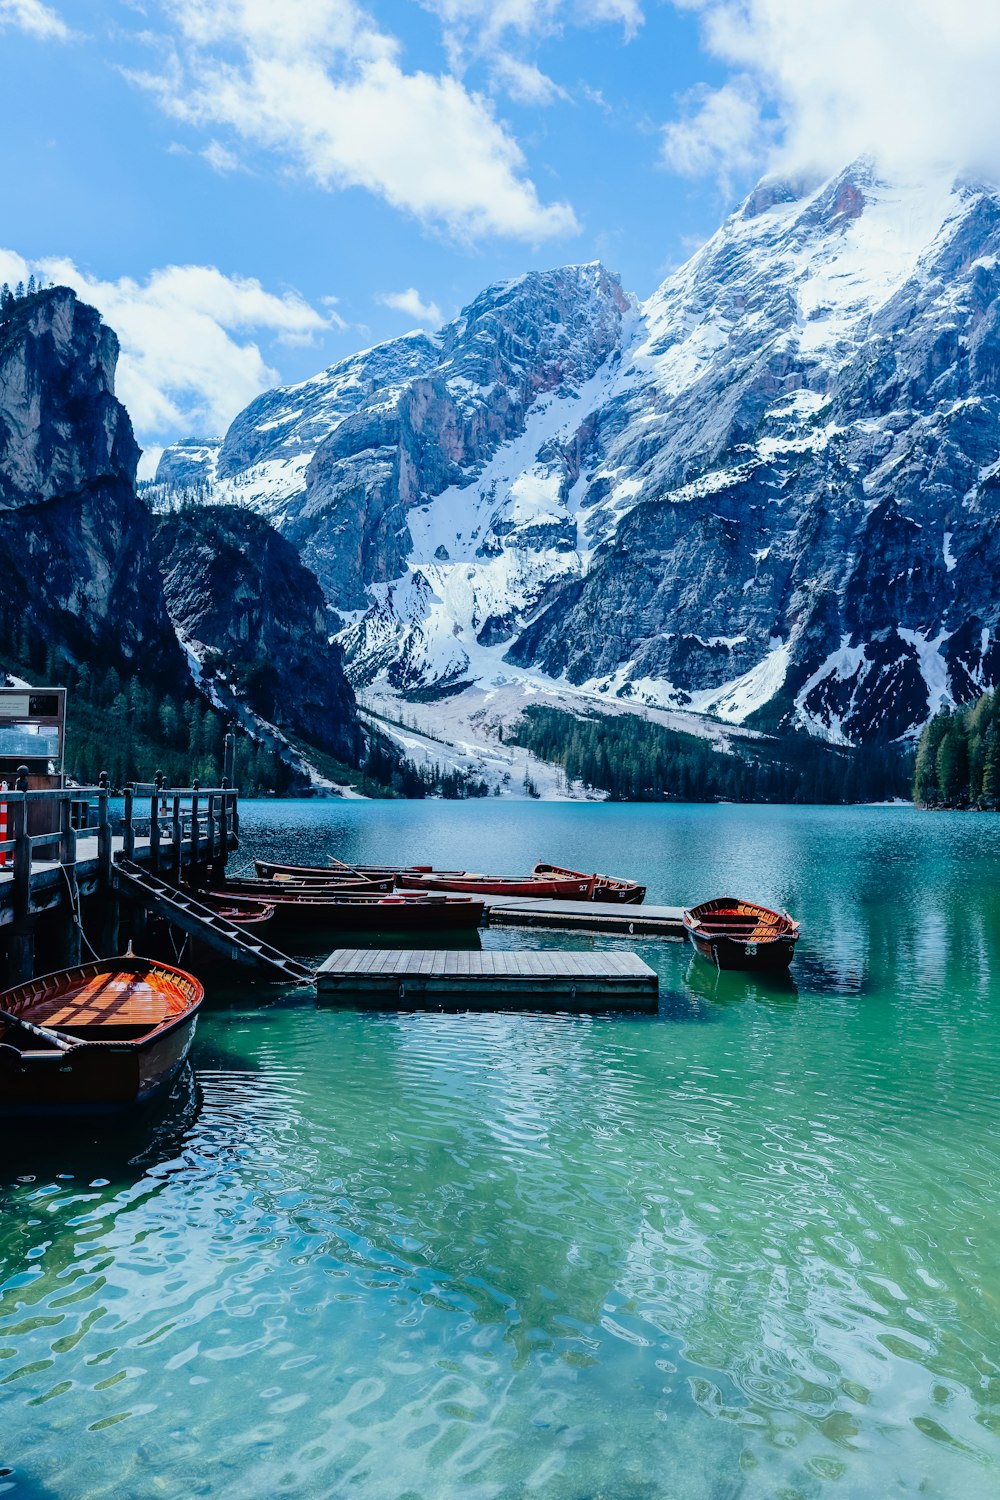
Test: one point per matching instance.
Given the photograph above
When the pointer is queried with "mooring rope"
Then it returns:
(75, 908)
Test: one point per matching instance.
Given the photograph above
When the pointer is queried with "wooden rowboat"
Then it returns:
(602, 887)
(736, 934)
(575, 885)
(404, 912)
(333, 885)
(95, 1039)
(242, 911)
(336, 872)
(556, 887)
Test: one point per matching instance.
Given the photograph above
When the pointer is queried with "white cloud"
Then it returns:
(37, 19)
(721, 134)
(189, 359)
(315, 81)
(911, 82)
(477, 26)
(220, 158)
(410, 302)
(524, 82)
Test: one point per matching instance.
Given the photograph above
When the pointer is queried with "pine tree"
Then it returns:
(990, 793)
(952, 764)
(926, 789)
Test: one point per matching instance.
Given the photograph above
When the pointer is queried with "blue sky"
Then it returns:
(251, 190)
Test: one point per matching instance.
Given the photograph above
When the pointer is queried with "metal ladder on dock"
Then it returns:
(185, 911)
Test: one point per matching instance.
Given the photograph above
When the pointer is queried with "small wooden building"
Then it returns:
(33, 734)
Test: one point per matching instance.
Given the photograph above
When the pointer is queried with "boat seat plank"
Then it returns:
(127, 1001)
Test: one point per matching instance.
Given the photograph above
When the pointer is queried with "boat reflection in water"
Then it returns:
(107, 1146)
(734, 986)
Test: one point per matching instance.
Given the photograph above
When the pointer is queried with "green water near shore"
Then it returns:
(747, 1248)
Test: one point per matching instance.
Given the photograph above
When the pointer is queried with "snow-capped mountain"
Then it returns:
(769, 494)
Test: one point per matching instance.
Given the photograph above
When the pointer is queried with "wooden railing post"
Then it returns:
(104, 840)
(229, 758)
(128, 840)
(21, 947)
(223, 826)
(195, 834)
(236, 813)
(177, 835)
(67, 858)
(22, 849)
(154, 824)
(211, 848)
(110, 906)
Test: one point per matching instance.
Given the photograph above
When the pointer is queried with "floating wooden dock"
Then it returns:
(585, 916)
(410, 979)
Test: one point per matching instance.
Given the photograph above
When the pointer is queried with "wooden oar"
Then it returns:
(54, 1037)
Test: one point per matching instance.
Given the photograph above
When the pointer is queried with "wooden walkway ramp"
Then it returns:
(238, 945)
(585, 916)
(487, 980)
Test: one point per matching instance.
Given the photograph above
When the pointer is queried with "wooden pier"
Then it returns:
(58, 892)
(585, 916)
(408, 979)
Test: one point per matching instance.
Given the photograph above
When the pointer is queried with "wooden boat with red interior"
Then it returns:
(287, 885)
(405, 911)
(602, 887)
(95, 1039)
(242, 911)
(335, 871)
(736, 934)
(555, 887)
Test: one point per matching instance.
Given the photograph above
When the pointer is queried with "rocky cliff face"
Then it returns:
(769, 494)
(244, 603)
(79, 552)
(78, 576)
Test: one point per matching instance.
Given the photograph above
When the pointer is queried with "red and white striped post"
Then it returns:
(4, 828)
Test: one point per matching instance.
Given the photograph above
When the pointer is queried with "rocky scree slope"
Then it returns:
(768, 494)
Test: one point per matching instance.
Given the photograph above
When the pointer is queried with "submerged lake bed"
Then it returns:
(747, 1247)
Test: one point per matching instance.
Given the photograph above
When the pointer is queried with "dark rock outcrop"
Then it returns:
(78, 576)
(242, 598)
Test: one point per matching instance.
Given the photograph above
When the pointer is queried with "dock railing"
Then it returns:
(205, 819)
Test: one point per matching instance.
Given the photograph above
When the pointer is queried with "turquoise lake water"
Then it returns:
(747, 1248)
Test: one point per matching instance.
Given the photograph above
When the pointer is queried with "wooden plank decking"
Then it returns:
(487, 980)
(584, 916)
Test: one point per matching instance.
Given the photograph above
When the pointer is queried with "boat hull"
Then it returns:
(97, 1064)
(556, 889)
(735, 934)
(401, 913)
(730, 953)
(270, 888)
(606, 888)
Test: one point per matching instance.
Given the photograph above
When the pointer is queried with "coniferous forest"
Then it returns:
(958, 758)
(635, 760)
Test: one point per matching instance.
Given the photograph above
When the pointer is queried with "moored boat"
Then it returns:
(242, 911)
(333, 884)
(336, 872)
(735, 934)
(602, 887)
(555, 887)
(96, 1038)
(404, 912)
